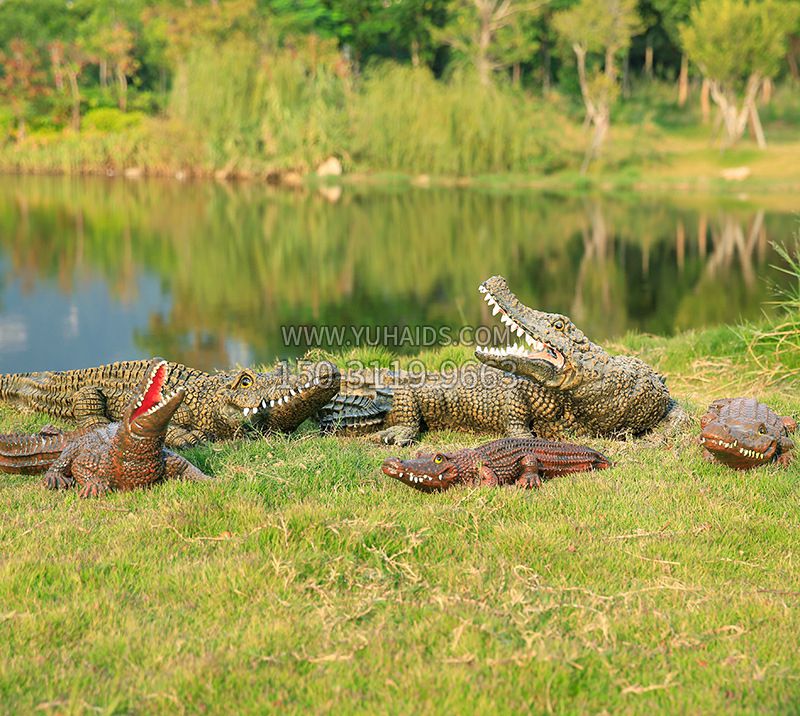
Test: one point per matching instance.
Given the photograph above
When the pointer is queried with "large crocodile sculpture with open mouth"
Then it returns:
(555, 384)
(216, 406)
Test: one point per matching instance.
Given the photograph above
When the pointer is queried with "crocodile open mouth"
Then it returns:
(732, 447)
(533, 347)
(285, 398)
(152, 398)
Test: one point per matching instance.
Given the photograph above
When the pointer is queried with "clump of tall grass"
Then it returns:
(260, 111)
(406, 120)
(776, 347)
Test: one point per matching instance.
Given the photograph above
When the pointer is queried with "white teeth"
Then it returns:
(482, 288)
(271, 403)
(402, 474)
(292, 393)
(263, 404)
(246, 412)
(520, 333)
(255, 410)
(487, 298)
(307, 385)
(496, 310)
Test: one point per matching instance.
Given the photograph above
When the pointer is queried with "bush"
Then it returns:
(111, 119)
(406, 120)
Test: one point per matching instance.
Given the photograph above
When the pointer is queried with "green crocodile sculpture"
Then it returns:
(119, 456)
(520, 462)
(557, 383)
(216, 406)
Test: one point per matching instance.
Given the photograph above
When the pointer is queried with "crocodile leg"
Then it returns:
(89, 408)
(531, 476)
(409, 421)
(95, 487)
(178, 437)
(59, 475)
(488, 477)
(179, 468)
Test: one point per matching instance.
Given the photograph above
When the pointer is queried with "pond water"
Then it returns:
(95, 270)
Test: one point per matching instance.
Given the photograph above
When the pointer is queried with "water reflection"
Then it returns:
(94, 270)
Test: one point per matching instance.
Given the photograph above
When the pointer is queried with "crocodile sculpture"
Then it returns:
(216, 406)
(118, 456)
(743, 433)
(557, 383)
(521, 462)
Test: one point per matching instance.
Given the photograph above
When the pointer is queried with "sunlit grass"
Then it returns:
(305, 581)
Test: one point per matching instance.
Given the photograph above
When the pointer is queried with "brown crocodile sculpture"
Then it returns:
(521, 462)
(119, 456)
(743, 433)
(216, 406)
(553, 384)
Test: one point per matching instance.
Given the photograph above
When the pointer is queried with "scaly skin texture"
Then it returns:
(520, 462)
(216, 406)
(743, 433)
(120, 456)
(604, 394)
(560, 384)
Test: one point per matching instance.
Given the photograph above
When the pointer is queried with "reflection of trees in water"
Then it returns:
(241, 261)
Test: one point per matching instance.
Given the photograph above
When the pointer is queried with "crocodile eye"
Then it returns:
(245, 381)
(559, 325)
(762, 430)
(438, 459)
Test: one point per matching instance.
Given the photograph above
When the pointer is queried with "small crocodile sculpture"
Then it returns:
(557, 384)
(743, 433)
(522, 462)
(119, 456)
(216, 406)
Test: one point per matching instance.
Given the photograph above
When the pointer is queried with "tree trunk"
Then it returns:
(103, 73)
(516, 74)
(547, 62)
(734, 119)
(705, 104)
(601, 121)
(791, 56)
(755, 125)
(482, 60)
(648, 60)
(626, 75)
(415, 52)
(76, 100)
(610, 67)
(122, 82)
(766, 91)
(683, 81)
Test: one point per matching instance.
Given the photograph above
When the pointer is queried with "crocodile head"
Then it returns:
(740, 444)
(550, 348)
(275, 400)
(150, 411)
(428, 472)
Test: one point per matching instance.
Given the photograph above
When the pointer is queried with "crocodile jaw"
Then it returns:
(150, 412)
(737, 450)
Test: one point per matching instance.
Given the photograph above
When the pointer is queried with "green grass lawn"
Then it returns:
(304, 581)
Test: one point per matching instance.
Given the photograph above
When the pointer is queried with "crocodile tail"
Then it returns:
(31, 454)
(355, 414)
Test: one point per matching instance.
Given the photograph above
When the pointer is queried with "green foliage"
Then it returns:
(408, 121)
(731, 40)
(111, 119)
(260, 112)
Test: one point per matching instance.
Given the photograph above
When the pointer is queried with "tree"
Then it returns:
(598, 27)
(737, 45)
(475, 27)
(672, 15)
(22, 80)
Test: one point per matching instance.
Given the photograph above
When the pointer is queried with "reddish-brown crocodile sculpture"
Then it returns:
(523, 462)
(118, 456)
(743, 433)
